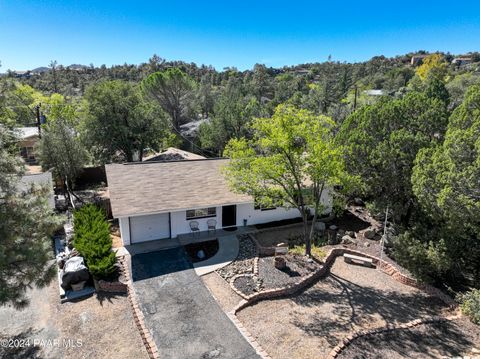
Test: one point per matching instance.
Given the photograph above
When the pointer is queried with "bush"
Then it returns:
(92, 239)
(470, 305)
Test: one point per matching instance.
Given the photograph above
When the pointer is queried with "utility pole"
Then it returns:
(37, 115)
(384, 235)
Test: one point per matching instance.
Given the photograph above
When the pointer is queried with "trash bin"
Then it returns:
(245, 222)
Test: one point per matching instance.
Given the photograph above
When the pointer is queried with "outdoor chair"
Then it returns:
(194, 227)
(212, 225)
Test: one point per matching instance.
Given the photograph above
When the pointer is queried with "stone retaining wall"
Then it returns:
(328, 262)
(147, 338)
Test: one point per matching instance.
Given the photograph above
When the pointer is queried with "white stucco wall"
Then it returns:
(180, 225)
(124, 225)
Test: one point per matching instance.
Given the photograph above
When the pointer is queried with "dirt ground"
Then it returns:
(96, 327)
(310, 324)
(272, 237)
(455, 339)
(221, 291)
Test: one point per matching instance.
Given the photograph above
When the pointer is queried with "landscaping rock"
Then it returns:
(369, 233)
(366, 244)
(244, 261)
(358, 202)
(348, 240)
(350, 233)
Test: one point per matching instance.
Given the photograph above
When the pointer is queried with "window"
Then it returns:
(201, 213)
(258, 206)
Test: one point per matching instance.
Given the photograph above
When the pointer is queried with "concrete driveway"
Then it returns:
(183, 317)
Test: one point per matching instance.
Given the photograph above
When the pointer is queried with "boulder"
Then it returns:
(369, 233)
(366, 244)
(358, 202)
(348, 240)
(350, 233)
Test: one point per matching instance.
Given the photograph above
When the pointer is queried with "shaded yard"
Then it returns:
(458, 338)
(311, 323)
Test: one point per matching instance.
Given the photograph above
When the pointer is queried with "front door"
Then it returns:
(229, 216)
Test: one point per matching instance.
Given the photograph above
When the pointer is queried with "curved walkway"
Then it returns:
(228, 247)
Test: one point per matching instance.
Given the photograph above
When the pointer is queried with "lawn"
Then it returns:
(310, 324)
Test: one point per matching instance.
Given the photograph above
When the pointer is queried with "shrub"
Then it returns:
(470, 305)
(92, 239)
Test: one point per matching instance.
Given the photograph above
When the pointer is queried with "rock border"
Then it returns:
(138, 317)
(324, 270)
(363, 333)
(380, 264)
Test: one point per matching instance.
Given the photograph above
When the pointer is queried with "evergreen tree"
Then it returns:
(26, 225)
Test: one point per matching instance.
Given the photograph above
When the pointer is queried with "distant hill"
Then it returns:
(40, 70)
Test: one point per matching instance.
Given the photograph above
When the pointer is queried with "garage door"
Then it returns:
(148, 228)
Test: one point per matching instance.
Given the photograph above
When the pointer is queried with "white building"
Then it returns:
(158, 200)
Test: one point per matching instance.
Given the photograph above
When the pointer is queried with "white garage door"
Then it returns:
(148, 228)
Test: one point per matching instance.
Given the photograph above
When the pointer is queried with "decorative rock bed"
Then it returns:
(244, 263)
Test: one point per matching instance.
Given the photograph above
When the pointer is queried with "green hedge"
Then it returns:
(92, 239)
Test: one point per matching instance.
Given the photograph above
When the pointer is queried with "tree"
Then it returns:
(172, 89)
(445, 181)
(119, 124)
(435, 88)
(291, 160)
(92, 239)
(60, 149)
(383, 140)
(232, 113)
(26, 225)
(434, 65)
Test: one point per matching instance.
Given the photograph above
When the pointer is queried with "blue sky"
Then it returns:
(227, 33)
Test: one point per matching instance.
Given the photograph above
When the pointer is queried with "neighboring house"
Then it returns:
(157, 200)
(40, 179)
(172, 154)
(28, 139)
(461, 61)
(374, 92)
(417, 60)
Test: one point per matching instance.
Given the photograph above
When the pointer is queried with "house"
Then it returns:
(417, 59)
(461, 61)
(29, 136)
(172, 154)
(158, 200)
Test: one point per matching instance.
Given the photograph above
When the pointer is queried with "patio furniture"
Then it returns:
(194, 227)
(350, 258)
(212, 225)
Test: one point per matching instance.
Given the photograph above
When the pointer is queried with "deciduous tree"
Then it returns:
(291, 160)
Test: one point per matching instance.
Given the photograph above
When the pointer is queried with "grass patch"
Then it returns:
(317, 252)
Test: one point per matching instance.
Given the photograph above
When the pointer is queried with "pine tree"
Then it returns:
(26, 225)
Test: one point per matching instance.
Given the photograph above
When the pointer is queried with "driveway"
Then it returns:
(183, 317)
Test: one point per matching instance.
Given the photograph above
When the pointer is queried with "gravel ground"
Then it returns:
(297, 268)
(274, 236)
(458, 338)
(310, 324)
(244, 261)
(96, 327)
(221, 291)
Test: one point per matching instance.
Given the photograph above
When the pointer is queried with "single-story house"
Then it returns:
(157, 200)
(28, 138)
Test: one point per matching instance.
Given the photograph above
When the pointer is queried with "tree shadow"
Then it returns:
(433, 340)
(18, 348)
(347, 306)
(107, 296)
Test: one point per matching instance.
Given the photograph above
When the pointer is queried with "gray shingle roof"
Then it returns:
(156, 187)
